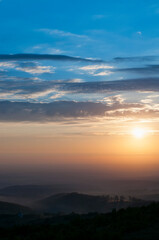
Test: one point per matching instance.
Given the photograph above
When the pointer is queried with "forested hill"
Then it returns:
(82, 203)
(139, 223)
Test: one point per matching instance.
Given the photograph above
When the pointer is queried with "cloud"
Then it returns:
(7, 65)
(104, 73)
(46, 49)
(8, 95)
(75, 80)
(42, 96)
(95, 69)
(51, 92)
(37, 69)
(72, 86)
(114, 99)
(59, 110)
(146, 100)
(138, 84)
(148, 69)
(29, 67)
(136, 59)
(61, 33)
(139, 33)
(31, 57)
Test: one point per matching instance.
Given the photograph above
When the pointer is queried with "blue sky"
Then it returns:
(116, 27)
(107, 53)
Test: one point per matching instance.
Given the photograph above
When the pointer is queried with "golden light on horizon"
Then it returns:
(138, 132)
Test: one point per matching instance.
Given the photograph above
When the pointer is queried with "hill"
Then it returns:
(140, 223)
(12, 208)
(83, 203)
(30, 191)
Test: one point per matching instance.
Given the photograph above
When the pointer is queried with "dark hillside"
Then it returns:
(140, 223)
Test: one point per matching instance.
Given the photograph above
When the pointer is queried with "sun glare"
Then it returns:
(138, 132)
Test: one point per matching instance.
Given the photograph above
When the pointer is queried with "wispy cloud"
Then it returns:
(114, 99)
(103, 73)
(95, 69)
(29, 67)
(7, 65)
(139, 33)
(61, 33)
(46, 49)
(37, 69)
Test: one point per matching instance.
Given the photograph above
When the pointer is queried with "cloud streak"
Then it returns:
(148, 69)
(51, 57)
(29, 86)
(136, 59)
(61, 33)
(138, 84)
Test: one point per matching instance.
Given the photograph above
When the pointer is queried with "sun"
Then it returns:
(138, 132)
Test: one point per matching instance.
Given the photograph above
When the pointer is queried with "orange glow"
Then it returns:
(54, 143)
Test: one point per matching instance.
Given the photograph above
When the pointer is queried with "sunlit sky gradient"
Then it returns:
(76, 80)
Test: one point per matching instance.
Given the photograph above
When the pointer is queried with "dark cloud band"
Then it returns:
(136, 59)
(148, 69)
(29, 86)
(21, 57)
(58, 110)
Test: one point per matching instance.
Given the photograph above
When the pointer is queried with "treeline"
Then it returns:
(83, 203)
(131, 223)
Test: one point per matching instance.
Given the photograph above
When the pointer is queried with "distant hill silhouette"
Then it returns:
(31, 191)
(82, 203)
(12, 208)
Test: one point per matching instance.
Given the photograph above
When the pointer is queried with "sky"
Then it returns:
(79, 88)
